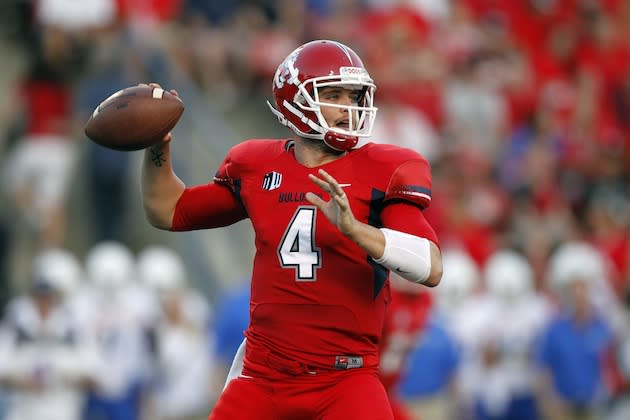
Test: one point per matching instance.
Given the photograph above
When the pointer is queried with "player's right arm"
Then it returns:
(161, 187)
(170, 205)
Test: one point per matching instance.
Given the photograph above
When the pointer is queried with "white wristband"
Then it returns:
(407, 255)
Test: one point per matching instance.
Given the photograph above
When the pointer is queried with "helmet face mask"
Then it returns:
(297, 85)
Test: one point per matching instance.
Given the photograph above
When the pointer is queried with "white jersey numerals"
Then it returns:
(297, 248)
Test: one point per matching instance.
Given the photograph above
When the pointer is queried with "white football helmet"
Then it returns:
(508, 275)
(110, 265)
(459, 280)
(161, 268)
(575, 261)
(59, 269)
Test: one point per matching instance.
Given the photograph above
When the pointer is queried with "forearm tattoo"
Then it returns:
(157, 157)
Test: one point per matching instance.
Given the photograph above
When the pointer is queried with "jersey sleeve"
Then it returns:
(411, 182)
(206, 207)
(212, 205)
(219, 204)
(405, 217)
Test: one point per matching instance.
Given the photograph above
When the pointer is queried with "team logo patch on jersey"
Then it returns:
(271, 181)
(348, 362)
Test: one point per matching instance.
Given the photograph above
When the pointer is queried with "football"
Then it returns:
(134, 118)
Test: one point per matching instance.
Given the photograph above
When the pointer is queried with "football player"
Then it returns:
(331, 220)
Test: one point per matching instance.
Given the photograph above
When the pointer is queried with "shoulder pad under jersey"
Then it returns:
(410, 178)
(246, 156)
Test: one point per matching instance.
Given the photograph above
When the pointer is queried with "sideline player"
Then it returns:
(319, 284)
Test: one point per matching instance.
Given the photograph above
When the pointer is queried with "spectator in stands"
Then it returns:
(41, 164)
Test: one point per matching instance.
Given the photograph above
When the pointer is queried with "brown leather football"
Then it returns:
(134, 118)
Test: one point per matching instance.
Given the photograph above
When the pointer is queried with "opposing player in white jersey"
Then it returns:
(45, 363)
(182, 352)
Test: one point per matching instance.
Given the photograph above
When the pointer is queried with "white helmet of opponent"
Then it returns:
(161, 268)
(508, 275)
(59, 269)
(578, 261)
(110, 265)
(575, 261)
(460, 279)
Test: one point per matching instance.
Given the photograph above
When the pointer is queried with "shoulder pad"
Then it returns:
(244, 156)
(388, 153)
(411, 181)
(410, 178)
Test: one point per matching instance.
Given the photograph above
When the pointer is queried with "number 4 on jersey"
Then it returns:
(297, 248)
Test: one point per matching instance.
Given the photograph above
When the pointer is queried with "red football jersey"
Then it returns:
(317, 298)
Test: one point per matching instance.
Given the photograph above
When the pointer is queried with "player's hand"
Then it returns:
(157, 85)
(337, 209)
(168, 137)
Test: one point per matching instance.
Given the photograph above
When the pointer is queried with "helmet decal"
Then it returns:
(287, 73)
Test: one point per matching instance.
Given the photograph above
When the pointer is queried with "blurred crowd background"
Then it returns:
(522, 107)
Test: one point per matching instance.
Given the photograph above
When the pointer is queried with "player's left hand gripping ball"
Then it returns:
(134, 118)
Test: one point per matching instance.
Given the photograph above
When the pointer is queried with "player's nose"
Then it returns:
(347, 99)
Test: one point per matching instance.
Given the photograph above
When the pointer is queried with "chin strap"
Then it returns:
(316, 135)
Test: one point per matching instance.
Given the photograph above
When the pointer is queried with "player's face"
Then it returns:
(337, 116)
(45, 302)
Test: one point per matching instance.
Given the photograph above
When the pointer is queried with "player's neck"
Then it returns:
(312, 153)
